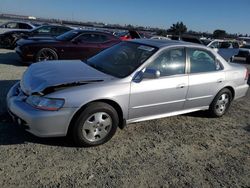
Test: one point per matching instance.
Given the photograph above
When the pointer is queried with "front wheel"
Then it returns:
(46, 54)
(221, 103)
(96, 125)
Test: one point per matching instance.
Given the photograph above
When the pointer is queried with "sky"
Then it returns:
(198, 15)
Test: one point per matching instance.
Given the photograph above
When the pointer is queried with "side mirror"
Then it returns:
(151, 73)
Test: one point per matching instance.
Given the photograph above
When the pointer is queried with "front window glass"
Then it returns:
(225, 45)
(202, 61)
(170, 62)
(122, 59)
(43, 30)
(214, 45)
(89, 38)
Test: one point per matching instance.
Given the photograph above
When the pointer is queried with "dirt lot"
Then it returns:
(183, 151)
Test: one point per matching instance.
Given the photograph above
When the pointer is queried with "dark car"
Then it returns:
(130, 34)
(75, 44)
(9, 28)
(244, 51)
(187, 38)
(11, 37)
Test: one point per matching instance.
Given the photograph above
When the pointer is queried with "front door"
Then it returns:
(156, 97)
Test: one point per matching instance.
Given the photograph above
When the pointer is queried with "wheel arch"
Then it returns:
(49, 48)
(230, 89)
(112, 103)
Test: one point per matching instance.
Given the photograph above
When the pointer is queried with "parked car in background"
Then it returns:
(130, 34)
(74, 44)
(130, 82)
(41, 31)
(160, 38)
(10, 27)
(226, 48)
(205, 41)
(245, 40)
(187, 38)
(244, 51)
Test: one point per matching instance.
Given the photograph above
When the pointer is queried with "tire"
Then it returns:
(96, 125)
(46, 54)
(248, 59)
(221, 103)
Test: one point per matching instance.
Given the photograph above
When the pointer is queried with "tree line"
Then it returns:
(180, 29)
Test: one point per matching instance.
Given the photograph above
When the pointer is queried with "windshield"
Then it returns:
(122, 59)
(68, 35)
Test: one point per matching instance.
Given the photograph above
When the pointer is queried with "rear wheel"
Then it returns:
(46, 54)
(221, 103)
(96, 125)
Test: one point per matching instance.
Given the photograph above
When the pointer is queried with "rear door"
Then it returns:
(206, 77)
(162, 95)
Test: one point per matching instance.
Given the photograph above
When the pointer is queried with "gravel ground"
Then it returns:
(182, 151)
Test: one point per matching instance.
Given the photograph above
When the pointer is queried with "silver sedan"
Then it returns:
(130, 82)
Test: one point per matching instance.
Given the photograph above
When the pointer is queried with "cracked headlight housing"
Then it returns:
(44, 103)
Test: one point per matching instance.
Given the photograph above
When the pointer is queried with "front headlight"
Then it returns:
(44, 103)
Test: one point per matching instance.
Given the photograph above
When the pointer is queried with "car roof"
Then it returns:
(22, 22)
(164, 43)
(92, 31)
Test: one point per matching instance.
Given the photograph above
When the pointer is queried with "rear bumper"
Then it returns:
(241, 91)
(38, 122)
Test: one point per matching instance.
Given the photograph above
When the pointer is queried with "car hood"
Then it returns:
(40, 76)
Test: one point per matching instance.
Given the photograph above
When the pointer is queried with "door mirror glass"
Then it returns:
(151, 73)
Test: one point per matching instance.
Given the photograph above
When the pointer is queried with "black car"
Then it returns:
(244, 51)
(187, 38)
(10, 38)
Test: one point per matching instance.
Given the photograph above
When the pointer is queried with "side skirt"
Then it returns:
(166, 115)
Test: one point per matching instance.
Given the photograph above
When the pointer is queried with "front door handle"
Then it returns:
(219, 80)
(181, 86)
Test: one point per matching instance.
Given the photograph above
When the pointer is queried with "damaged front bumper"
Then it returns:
(38, 122)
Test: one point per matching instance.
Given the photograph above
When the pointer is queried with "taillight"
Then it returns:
(247, 75)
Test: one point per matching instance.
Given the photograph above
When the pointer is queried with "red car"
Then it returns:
(127, 35)
(75, 44)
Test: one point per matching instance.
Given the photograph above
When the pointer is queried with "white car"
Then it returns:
(226, 48)
(10, 26)
(160, 38)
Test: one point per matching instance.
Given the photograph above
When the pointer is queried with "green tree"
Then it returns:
(219, 34)
(161, 32)
(178, 29)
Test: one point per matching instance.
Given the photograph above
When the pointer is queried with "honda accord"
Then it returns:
(130, 82)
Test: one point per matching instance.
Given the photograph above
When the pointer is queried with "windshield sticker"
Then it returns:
(147, 48)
